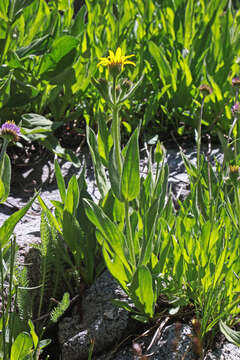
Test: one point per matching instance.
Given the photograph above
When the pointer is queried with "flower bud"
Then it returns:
(236, 81)
(159, 152)
(205, 89)
(196, 326)
(126, 85)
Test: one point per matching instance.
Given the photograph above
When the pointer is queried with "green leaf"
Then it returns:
(141, 290)
(163, 65)
(2, 190)
(32, 121)
(108, 229)
(130, 182)
(56, 60)
(21, 347)
(149, 232)
(114, 178)
(79, 22)
(50, 216)
(60, 181)
(102, 182)
(189, 24)
(72, 197)
(35, 338)
(5, 176)
(122, 304)
(19, 6)
(105, 141)
(37, 47)
(8, 226)
(71, 232)
(231, 335)
(4, 10)
(116, 268)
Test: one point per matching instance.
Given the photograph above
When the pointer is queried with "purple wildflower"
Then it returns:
(236, 81)
(10, 130)
(236, 108)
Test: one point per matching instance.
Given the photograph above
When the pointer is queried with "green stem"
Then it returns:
(237, 200)
(130, 243)
(3, 307)
(116, 129)
(199, 134)
(10, 294)
(117, 139)
(4, 148)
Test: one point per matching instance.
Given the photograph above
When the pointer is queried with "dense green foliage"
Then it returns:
(49, 76)
(48, 55)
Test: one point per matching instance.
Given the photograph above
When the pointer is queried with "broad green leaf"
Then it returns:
(21, 347)
(53, 62)
(113, 236)
(8, 226)
(33, 121)
(116, 268)
(130, 182)
(60, 181)
(142, 290)
(72, 196)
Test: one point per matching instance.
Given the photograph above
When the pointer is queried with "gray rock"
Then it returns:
(226, 352)
(173, 342)
(102, 322)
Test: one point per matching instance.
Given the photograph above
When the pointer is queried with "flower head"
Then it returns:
(234, 169)
(10, 131)
(234, 173)
(116, 62)
(236, 81)
(205, 89)
(236, 108)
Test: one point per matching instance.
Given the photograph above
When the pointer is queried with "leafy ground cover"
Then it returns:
(57, 70)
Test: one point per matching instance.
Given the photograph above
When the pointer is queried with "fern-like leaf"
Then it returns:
(59, 310)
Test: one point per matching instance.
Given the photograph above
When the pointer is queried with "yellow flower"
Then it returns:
(116, 61)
